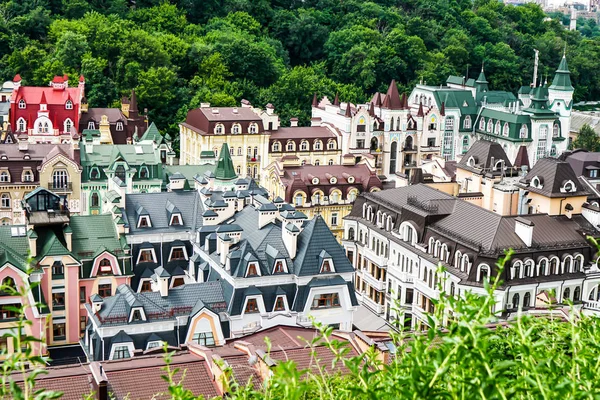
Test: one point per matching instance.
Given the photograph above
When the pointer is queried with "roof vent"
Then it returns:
(23, 145)
(215, 110)
(235, 110)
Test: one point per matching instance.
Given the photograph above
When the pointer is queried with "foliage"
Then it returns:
(356, 47)
(587, 139)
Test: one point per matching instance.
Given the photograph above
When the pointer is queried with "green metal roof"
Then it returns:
(453, 98)
(93, 234)
(104, 155)
(153, 134)
(225, 169)
(562, 78)
(13, 249)
(49, 244)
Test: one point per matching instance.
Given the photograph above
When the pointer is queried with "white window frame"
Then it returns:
(151, 252)
(69, 105)
(119, 126)
(185, 255)
(148, 220)
(22, 104)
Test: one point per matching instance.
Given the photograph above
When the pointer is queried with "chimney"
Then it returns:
(267, 213)
(290, 234)
(23, 145)
(204, 105)
(68, 232)
(223, 243)
(100, 380)
(32, 239)
(524, 229)
(293, 122)
(96, 303)
(270, 109)
(162, 278)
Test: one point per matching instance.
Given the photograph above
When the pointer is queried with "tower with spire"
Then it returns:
(481, 84)
(560, 97)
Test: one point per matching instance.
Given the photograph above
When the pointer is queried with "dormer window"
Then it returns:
(178, 253)
(69, 105)
(350, 179)
(304, 146)
(251, 306)
(315, 181)
(105, 267)
(523, 132)
(505, 129)
(326, 266)
(144, 222)
(137, 314)
(27, 176)
(482, 124)
(91, 125)
(154, 344)
(290, 146)
(279, 304)
(94, 173)
(144, 174)
(318, 145)
(4, 176)
(21, 125)
(537, 182)
(331, 145)
(333, 180)
(326, 300)
(252, 270)
(253, 128)
(471, 161)
(568, 187)
(22, 104)
(176, 220)
(467, 122)
(219, 129)
(236, 129)
(119, 126)
(555, 131)
(280, 267)
(276, 147)
(146, 255)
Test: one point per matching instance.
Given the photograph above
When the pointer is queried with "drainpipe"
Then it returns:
(561, 201)
(161, 250)
(102, 340)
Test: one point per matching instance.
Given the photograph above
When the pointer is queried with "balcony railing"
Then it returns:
(253, 158)
(376, 307)
(412, 164)
(592, 305)
(375, 283)
(60, 186)
(410, 149)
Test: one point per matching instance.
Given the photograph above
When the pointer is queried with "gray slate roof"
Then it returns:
(554, 173)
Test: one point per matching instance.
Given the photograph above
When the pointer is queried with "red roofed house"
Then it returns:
(46, 114)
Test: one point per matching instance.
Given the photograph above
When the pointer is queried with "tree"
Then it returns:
(587, 139)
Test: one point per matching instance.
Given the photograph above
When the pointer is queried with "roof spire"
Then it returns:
(315, 103)
(394, 96)
(348, 112)
(225, 170)
(336, 101)
(420, 112)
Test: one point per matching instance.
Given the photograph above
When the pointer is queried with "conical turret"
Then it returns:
(481, 83)
(562, 78)
(225, 169)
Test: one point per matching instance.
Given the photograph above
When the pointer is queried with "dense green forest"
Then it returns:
(179, 53)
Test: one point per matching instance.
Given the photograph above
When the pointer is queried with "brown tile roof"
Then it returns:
(203, 120)
(73, 381)
(307, 358)
(242, 371)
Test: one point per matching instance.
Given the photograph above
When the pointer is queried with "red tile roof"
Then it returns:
(35, 95)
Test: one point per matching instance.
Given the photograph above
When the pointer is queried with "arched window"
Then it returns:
(555, 131)
(482, 124)
(483, 272)
(120, 172)
(317, 162)
(276, 147)
(566, 295)
(91, 125)
(60, 179)
(21, 125)
(578, 265)
(527, 300)
(68, 125)
(505, 129)
(304, 145)
(516, 269)
(253, 128)
(236, 129)
(523, 132)
(497, 128)
(317, 145)
(490, 125)
(436, 250)
(528, 268)
(577, 294)
(291, 146)
(299, 199)
(457, 259)
(27, 176)
(330, 162)
(69, 105)
(431, 245)
(4, 176)
(516, 300)
(452, 288)
(331, 145)
(543, 267)
(219, 129)
(351, 233)
(22, 104)
(8, 285)
(568, 264)
(554, 266)
(464, 264)
(352, 195)
(95, 200)
(119, 126)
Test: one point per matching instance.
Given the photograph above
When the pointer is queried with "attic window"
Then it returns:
(105, 267)
(327, 300)
(251, 306)
(327, 266)
(569, 186)
(315, 181)
(279, 304)
(95, 173)
(252, 270)
(154, 344)
(177, 253)
(119, 126)
(144, 222)
(146, 255)
(333, 180)
(471, 161)
(137, 315)
(91, 125)
(69, 105)
(279, 267)
(536, 182)
(176, 220)
(144, 172)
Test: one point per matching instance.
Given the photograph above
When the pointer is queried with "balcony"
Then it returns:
(253, 159)
(406, 277)
(376, 284)
(60, 187)
(410, 149)
(410, 164)
(430, 149)
(372, 305)
(380, 260)
(592, 305)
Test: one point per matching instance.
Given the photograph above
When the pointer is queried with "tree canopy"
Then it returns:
(179, 53)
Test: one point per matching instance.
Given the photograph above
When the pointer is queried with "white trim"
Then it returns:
(153, 255)
(129, 346)
(259, 302)
(286, 306)
(185, 255)
(134, 309)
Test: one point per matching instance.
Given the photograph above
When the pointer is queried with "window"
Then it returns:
(516, 300)
(22, 125)
(482, 124)
(328, 300)
(82, 324)
(290, 146)
(231, 151)
(94, 173)
(331, 145)
(176, 220)
(304, 146)
(4, 176)
(177, 254)
(235, 129)
(240, 151)
(523, 132)
(60, 179)
(68, 125)
(91, 125)
(5, 200)
(526, 300)
(144, 172)
(58, 300)
(490, 125)
(317, 145)
(105, 290)
(22, 104)
(59, 331)
(27, 176)
(276, 147)
(105, 267)
(58, 269)
(155, 344)
(577, 294)
(219, 129)
(317, 162)
(120, 172)
(497, 128)
(144, 221)
(467, 122)
(251, 306)
(278, 267)
(137, 315)
(146, 256)
(121, 352)
(298, 200)
(567, 294)
(252, 270)
(555, 131)
(449, 123)
(484, 272)
(326, 267)
(69, 105)
(330, 162)
(146, 286)
(253, 128)
(505, 129)
(279, 304)
(334, 219)
(82, 294)
(119, 126)
(95, 200)
(204, 339)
